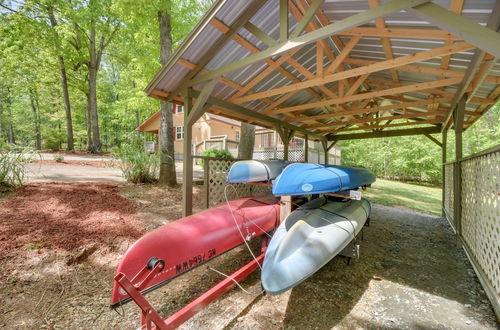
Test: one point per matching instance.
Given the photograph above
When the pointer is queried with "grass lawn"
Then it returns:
(394, 193)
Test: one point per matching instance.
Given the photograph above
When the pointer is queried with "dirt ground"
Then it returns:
(61, 244)
(91, 163)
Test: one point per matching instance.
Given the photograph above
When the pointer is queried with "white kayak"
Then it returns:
(255, 170)
(310, 237)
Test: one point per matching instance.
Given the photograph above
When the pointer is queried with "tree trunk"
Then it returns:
(93, 66)
(167, 166)
(88, 125)
(11, 138)
(137, 123)
(64, 84)
(35, 107)
(67, 106)
(247, 141)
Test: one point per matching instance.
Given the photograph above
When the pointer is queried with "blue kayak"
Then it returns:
(305, 178)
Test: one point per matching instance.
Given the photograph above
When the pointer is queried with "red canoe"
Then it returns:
(189, 242)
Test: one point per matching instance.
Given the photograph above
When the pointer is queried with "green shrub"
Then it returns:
(53, 140)
(216, 153)
(59, 158)
(12, 170)
(137, 166)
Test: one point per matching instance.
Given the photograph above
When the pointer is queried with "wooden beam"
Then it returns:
(306, 148)
(456, 6)
(283, 21)
(362, 96)
(470, 31)
(223, 80)
(457, 173)
(188, 41)
(217, 45)
(433, 139)
(254, 114)
(482, 72)
(286, 135)
(343, 55)
(443, 174)
(187, 164)
(491, 27)
(390, 133)
(198, 109)
(426, 34)
(373, 120)
(383, 65)
(385, 41)
(254, 49)
(261, 35)
(308, 16)
(362, 110)
(305, 39)
(387, 125)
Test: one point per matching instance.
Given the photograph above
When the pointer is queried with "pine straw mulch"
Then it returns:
(66, 216)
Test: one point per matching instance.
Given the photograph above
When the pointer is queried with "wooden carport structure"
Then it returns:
(337, 70)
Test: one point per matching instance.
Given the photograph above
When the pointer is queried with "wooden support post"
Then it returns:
(306, 148)
(319, 153)
(327, 147)
(187, 179)
(285, 207)
(206, 184)
(285, 135)
(443, 161)
(457, 173)
(275, 143)
(324, 144)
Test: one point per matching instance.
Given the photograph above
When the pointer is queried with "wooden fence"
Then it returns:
(475, 216)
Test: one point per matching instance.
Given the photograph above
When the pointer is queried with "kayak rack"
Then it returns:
(151, 319)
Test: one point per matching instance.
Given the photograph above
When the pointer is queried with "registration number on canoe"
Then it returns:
(194, 261)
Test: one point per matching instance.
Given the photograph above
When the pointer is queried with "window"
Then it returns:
(180, 108)
(179, 132)
(237, 135)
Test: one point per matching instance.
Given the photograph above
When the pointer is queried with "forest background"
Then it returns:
(73, 73)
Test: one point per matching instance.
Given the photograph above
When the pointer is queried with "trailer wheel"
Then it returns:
(153, 262)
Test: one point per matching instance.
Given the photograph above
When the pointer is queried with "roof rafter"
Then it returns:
(386, 43)
(369, 95)
(373, 120)
(413, 33)
(378, 66)
(362, 110)
(324, 32)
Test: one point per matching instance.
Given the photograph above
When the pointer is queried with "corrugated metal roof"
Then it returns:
(368, 48)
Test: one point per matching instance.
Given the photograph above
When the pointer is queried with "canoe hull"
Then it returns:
(305, 178)
(308, 238)
(255, 170)
(194, 240)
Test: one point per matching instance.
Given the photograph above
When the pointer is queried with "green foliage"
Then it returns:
(216, 153)
(59, 158)
(30, 47)
(53, 140)
(137, 165)
(404, 195)
(12, 170)
(407, 158)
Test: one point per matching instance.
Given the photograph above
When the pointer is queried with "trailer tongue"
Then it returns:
(180, 246)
